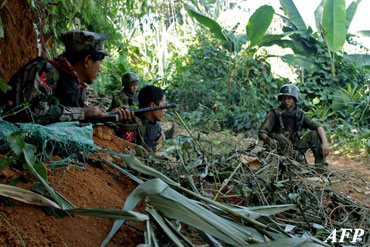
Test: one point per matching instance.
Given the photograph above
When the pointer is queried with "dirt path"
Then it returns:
(352, 176)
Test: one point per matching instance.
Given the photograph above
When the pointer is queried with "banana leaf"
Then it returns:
(334, 24)
(258, 24)
(160, 220)
(350, 13)
(33, 198)
(360, 59)
(110, 213)
(26, 196)
(291, 242)
(298, 60)
(291, 10)
(212, 25)
(137, 165)
(174, 205)
(256, 212)
(318, 14)
(364, 33)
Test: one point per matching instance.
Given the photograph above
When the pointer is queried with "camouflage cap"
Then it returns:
(78, 41)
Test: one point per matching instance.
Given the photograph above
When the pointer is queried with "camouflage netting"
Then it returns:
(67, 139)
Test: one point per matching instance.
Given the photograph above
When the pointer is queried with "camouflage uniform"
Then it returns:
(148, 134)
(124, 98)
(286, 128)
(52, 89)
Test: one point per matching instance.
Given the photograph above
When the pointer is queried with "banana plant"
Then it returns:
(332, 21)
(256, 29)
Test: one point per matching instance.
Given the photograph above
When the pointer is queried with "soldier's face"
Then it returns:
(287, 101)
(92, 70)
(132, 88)
(159, 114)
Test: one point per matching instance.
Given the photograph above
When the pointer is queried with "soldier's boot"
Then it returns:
(169, 134)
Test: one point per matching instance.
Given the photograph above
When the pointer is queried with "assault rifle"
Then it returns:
(114, 117)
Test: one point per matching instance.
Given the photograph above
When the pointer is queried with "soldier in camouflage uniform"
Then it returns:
(150, 133)
(283, 126)
(54, 90)
(127, 97)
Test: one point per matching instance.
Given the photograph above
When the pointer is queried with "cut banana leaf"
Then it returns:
(256, 212)
(291, 242)
(26, 196)
(110, 213)
(174, 205)
(160, 220)
(137, 165)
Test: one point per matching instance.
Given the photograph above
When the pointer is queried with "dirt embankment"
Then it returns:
(94, 187)
(19, 44)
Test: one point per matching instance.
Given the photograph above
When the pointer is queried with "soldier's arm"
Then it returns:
(43, 112)
(312, 125)
(267, 127)
(324, 141)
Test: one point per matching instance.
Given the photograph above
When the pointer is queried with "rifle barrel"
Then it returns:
(114, 117)
(154, 108)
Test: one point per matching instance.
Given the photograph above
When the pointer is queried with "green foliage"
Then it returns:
(258, 24)
(26, 151)
(334, 24)
(350, 13)
(4, 162)
(351, 104)
(294, 15)
(321, 83)
(222, 93)
(213, 26)
(3, 86)
(299, 60)
(1, 29)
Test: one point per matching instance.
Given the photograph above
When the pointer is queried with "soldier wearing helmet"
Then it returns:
(282, 128)
(127, 97)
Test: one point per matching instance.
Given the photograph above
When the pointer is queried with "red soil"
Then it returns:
(93, 187)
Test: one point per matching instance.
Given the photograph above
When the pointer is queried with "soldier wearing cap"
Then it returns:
(54, 90)
(282, 128)
(127, 97)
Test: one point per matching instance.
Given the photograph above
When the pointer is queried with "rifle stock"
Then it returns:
(114, 117)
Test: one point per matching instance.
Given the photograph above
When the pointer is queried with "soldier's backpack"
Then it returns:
(34, 77)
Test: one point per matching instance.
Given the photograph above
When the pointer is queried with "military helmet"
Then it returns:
(289, 90)
(129, 79)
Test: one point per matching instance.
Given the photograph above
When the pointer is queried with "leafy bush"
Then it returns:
(320, 85)
(234, 91)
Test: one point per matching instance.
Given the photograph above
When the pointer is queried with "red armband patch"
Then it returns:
(129, 136)
(44, 81)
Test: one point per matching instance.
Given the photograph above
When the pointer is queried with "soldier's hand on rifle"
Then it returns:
(124, 113)
(94, 111)
(325, 149)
